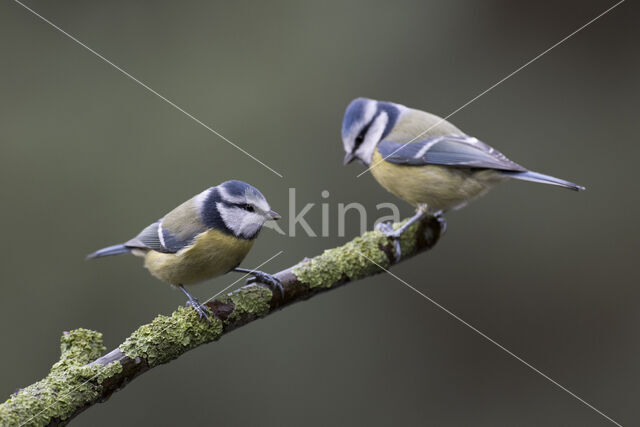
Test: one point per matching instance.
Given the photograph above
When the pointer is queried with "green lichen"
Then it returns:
(356, 259)
(167, 337)
(353, 260)
(251, 300)
(79, 347)
(408, 239)
(74, 383)
(70, 384)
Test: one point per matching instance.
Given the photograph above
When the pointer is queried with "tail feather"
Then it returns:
(544, 179)
(108, 251)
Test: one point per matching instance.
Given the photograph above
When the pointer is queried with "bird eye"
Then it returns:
(248, 208)
(360, 138)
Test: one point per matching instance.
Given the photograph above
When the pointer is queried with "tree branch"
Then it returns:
(82, 377)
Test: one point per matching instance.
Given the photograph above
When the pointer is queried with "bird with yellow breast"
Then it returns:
(425, 160)
(206, 236)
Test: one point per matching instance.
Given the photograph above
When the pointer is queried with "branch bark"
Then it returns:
(84, 376)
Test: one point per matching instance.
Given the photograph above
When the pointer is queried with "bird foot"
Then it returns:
(442, 220)
(270, 280)
(387, 229)
(202, 311)
(193, 302)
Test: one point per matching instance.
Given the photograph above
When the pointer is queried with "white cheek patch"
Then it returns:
(366, 149)
(241, 222)
(229, 215)
(251, 223)
(368, 112)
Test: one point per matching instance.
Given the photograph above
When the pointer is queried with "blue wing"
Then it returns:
(159, 239)
(450, 150)
(175, 231)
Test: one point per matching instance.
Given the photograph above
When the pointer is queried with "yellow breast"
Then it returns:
(213, 253)
(440, 187)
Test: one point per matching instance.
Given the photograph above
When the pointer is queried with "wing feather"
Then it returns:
(159, 239)
(149, 238)
(450, 150)
(175, 231)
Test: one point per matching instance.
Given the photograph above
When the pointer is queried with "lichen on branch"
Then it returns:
(84, 375)
(71, 383)
(167, 337)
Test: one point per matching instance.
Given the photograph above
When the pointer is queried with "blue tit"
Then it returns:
(206, 236)
(426, 160)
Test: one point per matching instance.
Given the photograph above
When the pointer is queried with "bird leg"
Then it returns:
(270, 280)
(387, 229)
(193, 302)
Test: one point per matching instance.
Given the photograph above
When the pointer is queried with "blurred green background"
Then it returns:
(88, 157)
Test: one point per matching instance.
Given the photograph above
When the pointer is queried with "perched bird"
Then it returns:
(206, 236)
(426, 160)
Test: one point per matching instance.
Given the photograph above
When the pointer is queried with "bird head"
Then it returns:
(366, 122)
(242, 208)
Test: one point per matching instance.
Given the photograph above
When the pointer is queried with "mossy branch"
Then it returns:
(83, 376)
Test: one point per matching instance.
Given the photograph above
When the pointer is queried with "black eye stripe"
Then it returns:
(360, 138)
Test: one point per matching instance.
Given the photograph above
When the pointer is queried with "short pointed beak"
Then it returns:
(274, 215)
(348, 158)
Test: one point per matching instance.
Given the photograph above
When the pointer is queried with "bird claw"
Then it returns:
(202, 311)
(271, 281)
(442, 221)
(387, 229)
